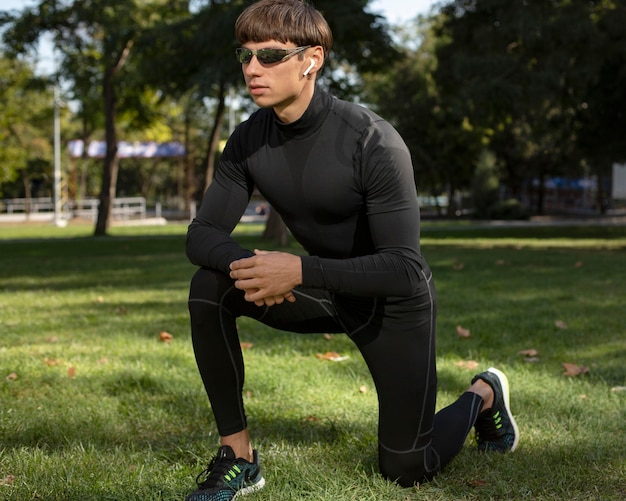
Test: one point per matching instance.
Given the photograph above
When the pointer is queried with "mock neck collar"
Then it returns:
(311, 119)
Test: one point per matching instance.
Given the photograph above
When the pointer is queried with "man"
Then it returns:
(342, 180)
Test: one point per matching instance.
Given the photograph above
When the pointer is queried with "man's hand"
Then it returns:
(268, 278)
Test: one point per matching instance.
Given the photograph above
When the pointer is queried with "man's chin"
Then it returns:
(262, 102)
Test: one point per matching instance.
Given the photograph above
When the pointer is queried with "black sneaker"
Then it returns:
(496, 429)
(228, 477)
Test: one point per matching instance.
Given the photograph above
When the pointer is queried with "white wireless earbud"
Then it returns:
(311, 66)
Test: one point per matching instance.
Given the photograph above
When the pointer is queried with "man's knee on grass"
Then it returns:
(409, 468)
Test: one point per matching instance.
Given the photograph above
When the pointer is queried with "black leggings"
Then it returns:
(396, 337)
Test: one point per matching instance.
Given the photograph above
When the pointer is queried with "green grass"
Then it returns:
(93, 406)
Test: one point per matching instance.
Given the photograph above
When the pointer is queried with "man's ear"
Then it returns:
(316, 60)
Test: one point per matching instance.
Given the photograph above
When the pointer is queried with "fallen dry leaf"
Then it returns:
(248, 394)
(531, 355)
(528, 353)
(100, 299)
(363, 389)
(573, 370)
(52, 339)
(478, 483)
(579, 264)
(560, 324)
(8, 480)
(618, 389)
(462, 332)
(246, 345)
(50, 362)
(312, 419)
(328, 336)
(467, 364)
(166, 337)
(457, 265)
(103, 361)
(71, 372)
(332, 356)
(500, 262)
(12, 376)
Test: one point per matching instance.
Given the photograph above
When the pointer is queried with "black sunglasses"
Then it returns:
(267, 56)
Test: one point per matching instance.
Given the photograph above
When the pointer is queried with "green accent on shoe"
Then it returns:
(228, 477)
(496, 429)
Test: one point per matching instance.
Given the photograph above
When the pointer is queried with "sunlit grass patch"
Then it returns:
(96, 405)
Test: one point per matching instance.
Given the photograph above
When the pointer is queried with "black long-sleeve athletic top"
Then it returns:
(341, 177)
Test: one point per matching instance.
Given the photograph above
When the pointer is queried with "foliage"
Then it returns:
(362, 43)
(521, 71)
(442, 143)
(123, 60)
(485, 185)
(509, 209)
(536, 83)
(603, 115)
(539, 84)
(95, 39)
(25, 121)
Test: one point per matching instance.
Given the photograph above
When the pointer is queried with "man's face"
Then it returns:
(279, 85)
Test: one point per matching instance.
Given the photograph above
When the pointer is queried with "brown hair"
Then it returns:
(293, 21)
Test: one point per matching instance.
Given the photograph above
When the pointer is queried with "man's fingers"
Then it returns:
(241, 274)
(241, 264)
(256, 296)
(250, 284)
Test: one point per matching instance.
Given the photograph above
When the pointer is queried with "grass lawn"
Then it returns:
(95, 406)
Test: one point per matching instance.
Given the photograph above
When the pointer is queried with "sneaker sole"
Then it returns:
(504, 384)
(251, 488)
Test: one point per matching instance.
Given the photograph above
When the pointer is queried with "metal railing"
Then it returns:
(121, 208)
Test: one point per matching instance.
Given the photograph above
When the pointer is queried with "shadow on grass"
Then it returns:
(136, 410)
(509, 298)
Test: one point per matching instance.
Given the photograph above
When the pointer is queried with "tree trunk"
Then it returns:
(452, 205)
(27, 194)
(541, 195)
(275, 229)
(111, 166)
(188, 174)
(214, 138)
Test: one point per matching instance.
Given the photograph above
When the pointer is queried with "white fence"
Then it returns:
(121, 209)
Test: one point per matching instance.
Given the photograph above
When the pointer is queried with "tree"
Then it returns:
(25, 125)
(193, 58)
(95, 39)
(520, 71)
(110, 48)
(442, 144)
(603, 116)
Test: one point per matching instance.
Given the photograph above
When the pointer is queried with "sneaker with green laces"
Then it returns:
(496, 430)
(228, 477)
